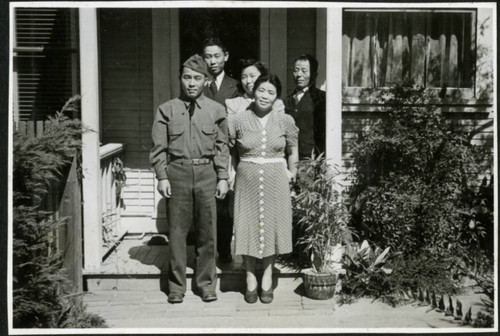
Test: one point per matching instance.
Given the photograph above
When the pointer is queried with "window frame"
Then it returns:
(448, 96)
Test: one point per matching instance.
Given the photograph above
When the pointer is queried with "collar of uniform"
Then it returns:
(187, 101)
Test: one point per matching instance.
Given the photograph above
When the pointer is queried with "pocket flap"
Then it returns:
(208, 129)
(176, 129)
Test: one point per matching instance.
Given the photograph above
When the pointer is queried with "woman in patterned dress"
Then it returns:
(250, 70)
(260, 138)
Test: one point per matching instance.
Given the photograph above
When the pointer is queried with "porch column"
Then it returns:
(166, 64)
(334, 86)
(91, 184)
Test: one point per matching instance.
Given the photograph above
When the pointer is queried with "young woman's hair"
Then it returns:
(245, 63)
(273, 79)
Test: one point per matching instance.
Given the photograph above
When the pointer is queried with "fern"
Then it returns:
(39, 282)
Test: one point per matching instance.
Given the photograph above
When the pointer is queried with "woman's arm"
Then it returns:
(234, 159)
(293, 160)
(233, 151)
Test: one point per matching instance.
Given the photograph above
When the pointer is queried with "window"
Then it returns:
(434, 48)
(45, 61)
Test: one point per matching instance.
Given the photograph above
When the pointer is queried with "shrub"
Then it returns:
(411, 185)
(424, 271)
(40, 289)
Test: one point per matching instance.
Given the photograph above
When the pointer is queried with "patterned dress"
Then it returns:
(262, 209)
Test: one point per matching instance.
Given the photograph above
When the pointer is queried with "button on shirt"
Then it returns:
(176, 135)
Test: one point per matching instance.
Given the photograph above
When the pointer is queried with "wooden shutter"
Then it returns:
(45, 60)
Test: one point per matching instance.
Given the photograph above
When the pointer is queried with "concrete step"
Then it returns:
(140, 262)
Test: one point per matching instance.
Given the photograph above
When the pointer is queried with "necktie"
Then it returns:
(191, 108)
(213, 88)
(297, 97)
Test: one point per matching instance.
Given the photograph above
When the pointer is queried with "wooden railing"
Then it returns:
(111, 195)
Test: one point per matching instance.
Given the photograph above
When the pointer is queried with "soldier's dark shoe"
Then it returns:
(209, 297)
(175, 297)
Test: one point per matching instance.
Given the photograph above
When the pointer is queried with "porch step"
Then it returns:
(226, 282)
(140, 262)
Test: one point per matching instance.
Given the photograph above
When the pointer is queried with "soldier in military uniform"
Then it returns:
(190, 157)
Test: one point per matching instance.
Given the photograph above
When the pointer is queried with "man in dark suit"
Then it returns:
(220, 88)
(307, 106)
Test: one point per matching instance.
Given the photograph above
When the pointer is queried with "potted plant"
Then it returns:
(322, 225)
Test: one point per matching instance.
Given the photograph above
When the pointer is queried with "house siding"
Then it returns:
(301, 38)
(127, 105)
(127, 82)
(127, 100)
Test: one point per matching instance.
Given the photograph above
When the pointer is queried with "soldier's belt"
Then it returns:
(193, 162)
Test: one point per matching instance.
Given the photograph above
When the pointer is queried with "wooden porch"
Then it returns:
(139, 257)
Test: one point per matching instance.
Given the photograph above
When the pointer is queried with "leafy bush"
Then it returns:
(366, 270)
(483, 320)
(424, 271)
(411, 179)
(40, 288)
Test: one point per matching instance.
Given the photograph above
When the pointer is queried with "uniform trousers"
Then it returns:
(224, 226)
(192, 203)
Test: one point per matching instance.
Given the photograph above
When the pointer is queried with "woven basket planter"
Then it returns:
(319, 286)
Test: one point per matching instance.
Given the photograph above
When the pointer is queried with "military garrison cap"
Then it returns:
(197, 64)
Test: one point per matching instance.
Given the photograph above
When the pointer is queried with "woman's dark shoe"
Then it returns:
(251, 296)
(267, 296)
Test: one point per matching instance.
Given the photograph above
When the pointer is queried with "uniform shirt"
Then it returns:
(177, 136)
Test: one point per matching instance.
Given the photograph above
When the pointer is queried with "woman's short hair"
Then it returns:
(271, 78)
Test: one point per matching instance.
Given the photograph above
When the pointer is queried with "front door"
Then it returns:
(238, 28)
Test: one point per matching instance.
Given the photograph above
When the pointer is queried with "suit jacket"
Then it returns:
(310, 118)
(228, 89)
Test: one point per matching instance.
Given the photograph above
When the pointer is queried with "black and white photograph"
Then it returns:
(252, 167)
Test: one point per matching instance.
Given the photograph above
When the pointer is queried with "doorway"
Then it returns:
(238, 28)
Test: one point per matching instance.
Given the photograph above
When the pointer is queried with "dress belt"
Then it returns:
(261, 160)
(194, 162)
